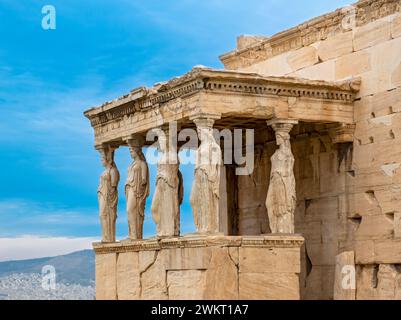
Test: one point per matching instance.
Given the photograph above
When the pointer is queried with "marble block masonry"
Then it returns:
(318, 215)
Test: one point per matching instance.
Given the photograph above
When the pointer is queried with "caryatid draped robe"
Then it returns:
(281, 196)
(108, 199)
(136, 192)
(206, 187)
(165, 205)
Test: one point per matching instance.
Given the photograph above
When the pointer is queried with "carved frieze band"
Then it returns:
(309, 32)
(270, 241)
(150, 102)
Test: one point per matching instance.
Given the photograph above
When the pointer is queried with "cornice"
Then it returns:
(219, 81)
(267, 241)
(309, 32)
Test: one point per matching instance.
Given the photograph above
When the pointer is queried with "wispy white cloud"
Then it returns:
(18, 216)
(29, 247)
(48, 79)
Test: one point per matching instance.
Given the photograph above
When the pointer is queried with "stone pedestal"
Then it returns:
(200, 267)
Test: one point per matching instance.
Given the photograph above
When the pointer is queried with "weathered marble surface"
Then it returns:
(205, 193)
(281, 196)
(201, 267)
(166, 199)
(349, 185)
(345, 277)
(136, 192)
(108, 195)
(348, 197)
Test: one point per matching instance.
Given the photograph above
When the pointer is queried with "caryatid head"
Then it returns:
(162, 141)
(205, 133)
(107, 154)
(135, 147)
(282, 138)
(137, 153)
(204, 129)
(282, 131)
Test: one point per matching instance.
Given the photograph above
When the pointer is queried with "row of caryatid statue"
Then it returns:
(168, 194)
(280, 202)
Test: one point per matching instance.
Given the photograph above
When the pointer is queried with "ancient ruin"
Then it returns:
(318, 215)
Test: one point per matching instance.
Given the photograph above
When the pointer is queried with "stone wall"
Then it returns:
(218, 267)
(321, 171)
(349, 196)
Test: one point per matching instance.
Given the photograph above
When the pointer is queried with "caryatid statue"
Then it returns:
(108, 195)
(166, 199)
(281, 196)
(136, 192)
(205, 189)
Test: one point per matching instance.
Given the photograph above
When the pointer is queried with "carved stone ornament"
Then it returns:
(205, 189)
(281, 196)
(136, 192)
(165, 205)
(108, 195)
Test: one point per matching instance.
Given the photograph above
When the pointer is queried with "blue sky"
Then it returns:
(99, 51)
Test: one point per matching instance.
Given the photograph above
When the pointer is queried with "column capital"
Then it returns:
(282, 125)
(135, 141)
(343, 133)
(204, 123)
(205, 119)
(101, 147)
(105, 148)
(276, 121)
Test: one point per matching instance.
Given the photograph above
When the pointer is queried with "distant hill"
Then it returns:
(74, 268)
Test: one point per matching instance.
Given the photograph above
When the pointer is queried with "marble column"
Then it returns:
(108, 194)
(165, 203)
(136, 189)
(281, 196)
(205, 194)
